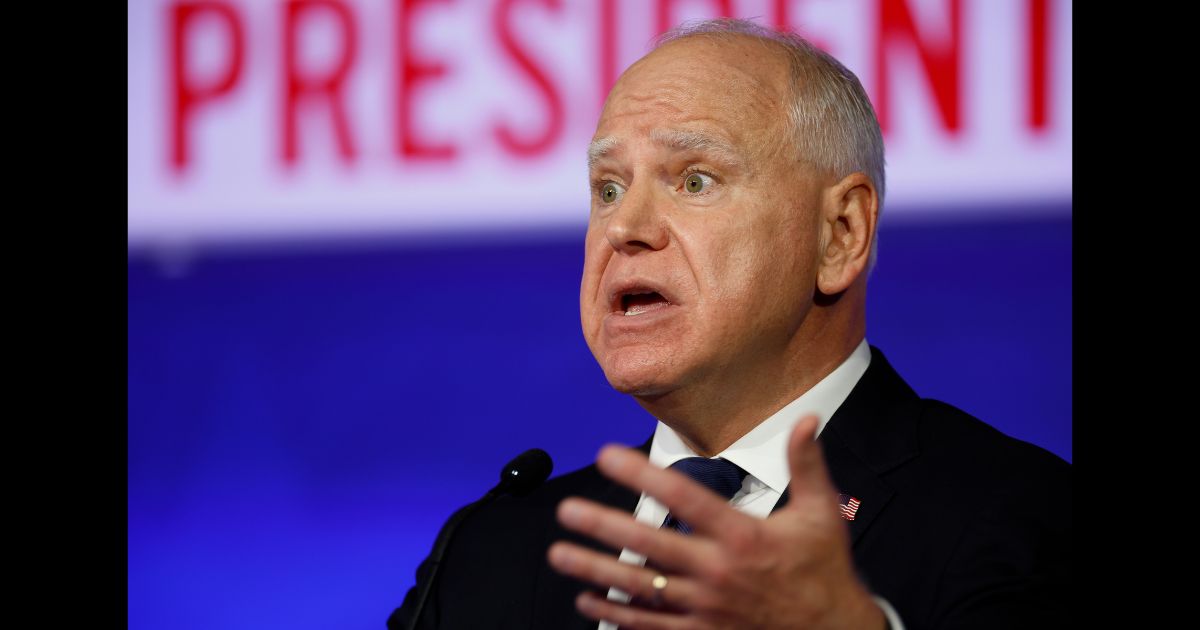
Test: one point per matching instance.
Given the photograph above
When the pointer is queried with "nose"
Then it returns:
(638, 224)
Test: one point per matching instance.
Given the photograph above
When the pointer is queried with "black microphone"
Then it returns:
(518, 478)
(525, 472)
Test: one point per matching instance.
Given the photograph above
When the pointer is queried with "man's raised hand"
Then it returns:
(790, 570)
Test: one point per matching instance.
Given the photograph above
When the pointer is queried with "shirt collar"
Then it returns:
(763, 451)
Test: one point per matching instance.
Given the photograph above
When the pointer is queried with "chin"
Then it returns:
(639, 387)
(639, 375)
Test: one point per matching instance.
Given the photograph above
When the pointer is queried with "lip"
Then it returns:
(618, 323)
(618, 326)
(619, 288)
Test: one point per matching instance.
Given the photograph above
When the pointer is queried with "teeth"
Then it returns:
(631, 312)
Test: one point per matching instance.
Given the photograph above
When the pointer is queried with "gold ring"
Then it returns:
(660, 584)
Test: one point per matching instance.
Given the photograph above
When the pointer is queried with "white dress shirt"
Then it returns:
(762, 453)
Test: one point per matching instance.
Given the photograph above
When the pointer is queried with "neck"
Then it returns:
(716, 411)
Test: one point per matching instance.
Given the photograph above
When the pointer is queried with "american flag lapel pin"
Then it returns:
(848, 506)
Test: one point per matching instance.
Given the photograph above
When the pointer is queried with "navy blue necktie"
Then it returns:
(719, 475)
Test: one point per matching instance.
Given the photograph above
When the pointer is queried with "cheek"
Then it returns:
(595, 259)
(729, 260)
(751, 269)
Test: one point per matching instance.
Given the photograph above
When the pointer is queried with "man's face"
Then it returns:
(701, 247)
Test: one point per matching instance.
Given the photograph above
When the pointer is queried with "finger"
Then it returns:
(605, 571)
(810, 477)
(629, 617)
(688, 501)
(618, 529)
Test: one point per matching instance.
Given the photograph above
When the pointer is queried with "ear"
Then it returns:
(849, 212)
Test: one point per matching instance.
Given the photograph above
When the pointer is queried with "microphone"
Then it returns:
(525, 472)
(519, 477)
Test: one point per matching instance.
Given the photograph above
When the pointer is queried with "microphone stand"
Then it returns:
(518, 478)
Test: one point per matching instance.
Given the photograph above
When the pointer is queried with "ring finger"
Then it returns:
(604, 570)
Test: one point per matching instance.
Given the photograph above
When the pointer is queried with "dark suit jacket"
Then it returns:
(959, 526)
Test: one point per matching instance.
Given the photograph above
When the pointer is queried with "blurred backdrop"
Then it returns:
(355, 238)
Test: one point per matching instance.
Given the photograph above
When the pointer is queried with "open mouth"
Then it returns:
(637, 303)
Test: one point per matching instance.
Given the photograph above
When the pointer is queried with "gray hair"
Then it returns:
(834, 124)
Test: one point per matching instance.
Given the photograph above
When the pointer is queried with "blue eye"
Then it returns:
(697, 182)
(610, 192)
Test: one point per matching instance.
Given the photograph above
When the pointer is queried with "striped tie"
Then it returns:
(719, 475)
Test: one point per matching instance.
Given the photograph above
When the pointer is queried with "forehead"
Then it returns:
(732, 88)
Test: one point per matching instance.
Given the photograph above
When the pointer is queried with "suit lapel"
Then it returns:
(874, 431)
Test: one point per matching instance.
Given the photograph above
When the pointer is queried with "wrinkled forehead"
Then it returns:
(731, 91)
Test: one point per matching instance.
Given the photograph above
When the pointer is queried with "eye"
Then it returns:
(697, 182)
(610, 192)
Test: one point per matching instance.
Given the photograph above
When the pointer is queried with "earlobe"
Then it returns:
(851, 209)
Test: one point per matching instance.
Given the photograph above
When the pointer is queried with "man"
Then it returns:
(737, 177)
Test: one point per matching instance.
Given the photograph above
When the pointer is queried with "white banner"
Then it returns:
(290, 118)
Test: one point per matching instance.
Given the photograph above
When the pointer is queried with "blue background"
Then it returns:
(302, 419)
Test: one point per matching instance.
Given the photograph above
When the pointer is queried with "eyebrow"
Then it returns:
(599, 148)
(677, 139)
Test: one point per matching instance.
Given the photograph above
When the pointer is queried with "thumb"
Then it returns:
(810, 477)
